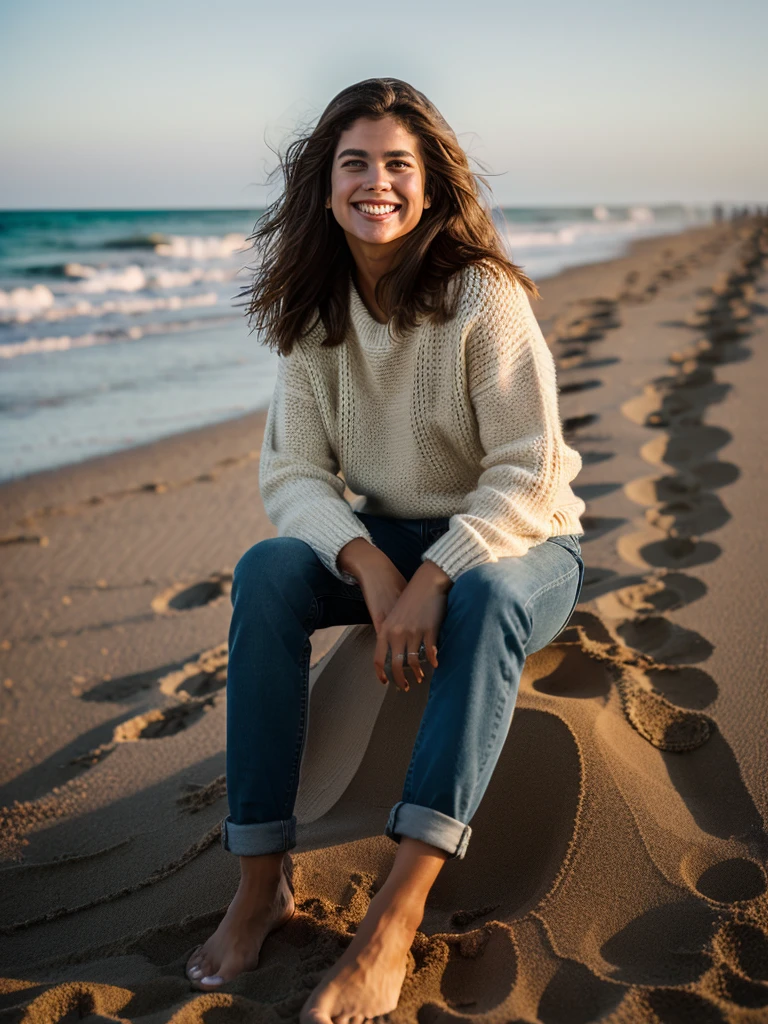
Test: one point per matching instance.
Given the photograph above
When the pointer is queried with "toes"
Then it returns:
(315, 1016)
(203, 972)
(212, 981)
(193, 967)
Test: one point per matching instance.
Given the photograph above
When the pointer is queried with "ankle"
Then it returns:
(261, 874)
(398, 906)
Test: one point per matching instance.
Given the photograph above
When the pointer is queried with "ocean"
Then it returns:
(118, 327)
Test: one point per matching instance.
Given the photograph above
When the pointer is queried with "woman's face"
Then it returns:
(377, 166)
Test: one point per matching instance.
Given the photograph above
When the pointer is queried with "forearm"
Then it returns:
(359, 557)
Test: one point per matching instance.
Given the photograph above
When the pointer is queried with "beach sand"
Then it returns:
(616, 870)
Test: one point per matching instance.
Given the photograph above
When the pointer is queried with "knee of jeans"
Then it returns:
(484, 588)
(275, 560)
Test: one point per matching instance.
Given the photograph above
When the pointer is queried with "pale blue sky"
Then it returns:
(160, 103)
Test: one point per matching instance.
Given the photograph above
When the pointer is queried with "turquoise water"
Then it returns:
(120, 327)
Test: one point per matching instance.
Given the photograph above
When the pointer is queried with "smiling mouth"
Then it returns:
(377, 211)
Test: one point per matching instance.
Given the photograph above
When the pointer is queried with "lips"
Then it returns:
(376, 211)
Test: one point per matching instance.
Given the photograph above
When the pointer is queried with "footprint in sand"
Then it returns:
(672, 1006)
(24, 538)
(577, 996)
(481, 970)
(679, 510)
(156, 724)
(591, 458)
(201, 677)
(180, 597)
(586, 320)
(579, 385)
(730, 881)
(573, 424)
(195, 686)
(743, 948)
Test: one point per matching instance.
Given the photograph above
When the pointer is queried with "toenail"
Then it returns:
(215, 980)
(195, 972)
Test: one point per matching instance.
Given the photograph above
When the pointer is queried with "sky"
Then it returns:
(158, 104)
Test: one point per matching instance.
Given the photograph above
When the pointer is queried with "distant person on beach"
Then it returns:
(411, 361)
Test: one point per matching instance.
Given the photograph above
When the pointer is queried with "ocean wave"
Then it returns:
(65, 342)
(133, 278)
(22, 309)
(137, 241)
(202, 248)
(571, 234)
(24, 303)
(197, 247)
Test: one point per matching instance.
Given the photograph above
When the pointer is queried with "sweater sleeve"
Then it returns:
(302, 494)
(513, 390)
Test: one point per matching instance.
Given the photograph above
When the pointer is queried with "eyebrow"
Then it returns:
(363, 152)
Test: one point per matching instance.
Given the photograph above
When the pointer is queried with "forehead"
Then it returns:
(378, 136)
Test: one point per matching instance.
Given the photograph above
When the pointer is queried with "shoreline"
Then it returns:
(616, 870)
(556, 291)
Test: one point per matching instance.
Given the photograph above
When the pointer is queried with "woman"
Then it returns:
(410, 360)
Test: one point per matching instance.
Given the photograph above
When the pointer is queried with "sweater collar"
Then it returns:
(370, 332)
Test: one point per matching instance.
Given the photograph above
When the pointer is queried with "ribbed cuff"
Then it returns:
(458, 549)
(337, 529)
(430, 826)
(328, 554)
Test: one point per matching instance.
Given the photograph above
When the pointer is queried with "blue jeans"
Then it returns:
(496, 615)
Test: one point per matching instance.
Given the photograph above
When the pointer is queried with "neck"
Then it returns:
(371, 262)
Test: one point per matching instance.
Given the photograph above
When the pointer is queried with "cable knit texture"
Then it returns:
(458, 420)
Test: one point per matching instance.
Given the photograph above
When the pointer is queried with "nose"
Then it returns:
(378, 181)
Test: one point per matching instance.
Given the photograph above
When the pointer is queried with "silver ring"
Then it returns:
(422, 653)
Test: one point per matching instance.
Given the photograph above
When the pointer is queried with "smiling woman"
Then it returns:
(412, 362)
(377, 197)
(379, 141)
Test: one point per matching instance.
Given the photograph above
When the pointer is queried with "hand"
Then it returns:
(378, 577)
(417, 615)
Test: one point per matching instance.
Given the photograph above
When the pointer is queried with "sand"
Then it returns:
(616, 870)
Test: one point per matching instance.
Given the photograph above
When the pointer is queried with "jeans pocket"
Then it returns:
(575, 549)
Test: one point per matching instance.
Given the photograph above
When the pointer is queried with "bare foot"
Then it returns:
(367, 979)
(260, 906)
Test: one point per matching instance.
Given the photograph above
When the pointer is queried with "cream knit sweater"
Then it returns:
(458, 420)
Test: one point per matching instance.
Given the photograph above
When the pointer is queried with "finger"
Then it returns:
(398, 661)
(397, 672)
(413, 659)
(379, 657)
(431, 648)
(397, 641)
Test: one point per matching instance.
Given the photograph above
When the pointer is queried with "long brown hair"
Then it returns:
(303, 260)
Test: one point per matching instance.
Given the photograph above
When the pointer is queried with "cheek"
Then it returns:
(415, 192)
(415, 202)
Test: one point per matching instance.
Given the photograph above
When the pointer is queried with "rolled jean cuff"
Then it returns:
(254, 840)
(430, 826)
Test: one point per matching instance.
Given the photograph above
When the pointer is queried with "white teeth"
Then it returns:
(369, 208)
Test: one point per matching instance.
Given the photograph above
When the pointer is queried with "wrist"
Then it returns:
(435, 576)
(354, 554)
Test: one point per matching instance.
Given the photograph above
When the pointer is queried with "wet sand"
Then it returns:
(616, 870)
